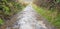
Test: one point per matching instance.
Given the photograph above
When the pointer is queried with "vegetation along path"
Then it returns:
(28, 19)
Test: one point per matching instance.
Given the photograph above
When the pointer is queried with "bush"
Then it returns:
(9, 8)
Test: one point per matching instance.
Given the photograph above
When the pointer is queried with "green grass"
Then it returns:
(1, 21)
(51, 16)
(43, 12)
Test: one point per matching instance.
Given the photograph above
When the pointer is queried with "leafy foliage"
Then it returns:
(8, 8)
(1, 21)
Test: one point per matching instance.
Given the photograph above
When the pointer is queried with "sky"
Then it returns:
(27, 0)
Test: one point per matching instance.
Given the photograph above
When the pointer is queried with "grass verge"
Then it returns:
(52, 17)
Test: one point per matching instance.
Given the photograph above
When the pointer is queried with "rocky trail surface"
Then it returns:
(27, 19)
